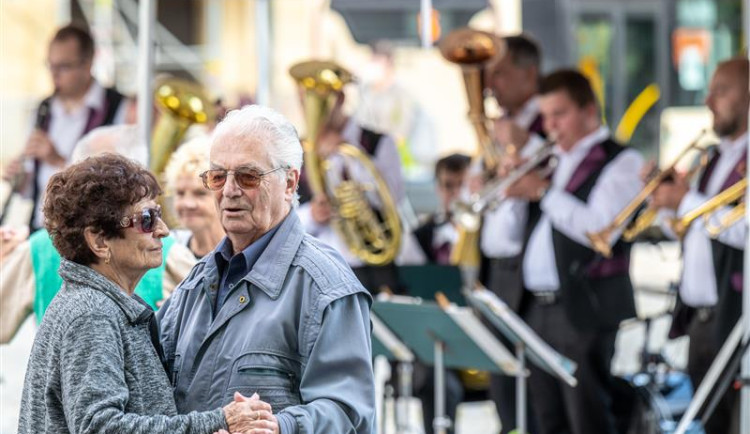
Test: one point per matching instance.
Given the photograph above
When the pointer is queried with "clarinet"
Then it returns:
(17, 182)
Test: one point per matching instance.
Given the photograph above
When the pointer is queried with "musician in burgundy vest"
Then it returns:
(573, 298)
(514, 82)
(78, 105)
(710, 296)
(437, 234)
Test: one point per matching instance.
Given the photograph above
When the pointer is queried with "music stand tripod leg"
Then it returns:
(441, 423)
(521, 389)
(405, 376)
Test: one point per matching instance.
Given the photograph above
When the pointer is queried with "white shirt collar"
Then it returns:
(731, 146)
(528, 113)
(584, 145)
(94, 97)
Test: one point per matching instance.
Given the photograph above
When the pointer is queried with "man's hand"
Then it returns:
(250, 416)
(39, 146)
(320, 209)
(531, 187)
(10, 237)
(328, 142)
(508, 133)
(508, 162)
(669, 194)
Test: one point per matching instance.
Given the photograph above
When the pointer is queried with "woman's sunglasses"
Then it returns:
(144, 221)
(246, 179)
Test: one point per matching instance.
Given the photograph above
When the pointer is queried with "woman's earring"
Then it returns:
(109, 256)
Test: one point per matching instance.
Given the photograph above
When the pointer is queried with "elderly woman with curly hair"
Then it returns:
(96, 366)
(196, 211)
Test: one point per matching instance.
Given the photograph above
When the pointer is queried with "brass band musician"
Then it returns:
(711, 283)
(571, 297)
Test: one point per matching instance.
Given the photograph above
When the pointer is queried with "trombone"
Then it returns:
(732, 194)
(726, 221)
(600, 241)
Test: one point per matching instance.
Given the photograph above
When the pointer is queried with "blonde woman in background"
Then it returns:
(201, 229)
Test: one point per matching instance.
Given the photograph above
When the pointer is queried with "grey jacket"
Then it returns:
(296, 330)
(93, 368)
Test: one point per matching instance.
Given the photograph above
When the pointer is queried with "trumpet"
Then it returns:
(732, 194)
(726, 221)
(600, 241)
(468, 214)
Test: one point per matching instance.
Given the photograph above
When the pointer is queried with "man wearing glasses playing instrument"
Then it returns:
(271, 311)
(79, 104)
(710, 300)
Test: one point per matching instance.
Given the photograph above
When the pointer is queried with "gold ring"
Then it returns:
(257, 415)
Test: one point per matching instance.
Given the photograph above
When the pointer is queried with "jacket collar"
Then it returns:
(82, 275)
(270, 270)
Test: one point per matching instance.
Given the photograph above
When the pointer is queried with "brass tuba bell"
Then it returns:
(372, 234)
(182, 103)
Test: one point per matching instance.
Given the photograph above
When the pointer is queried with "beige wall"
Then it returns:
(306, 29)
(25, 28)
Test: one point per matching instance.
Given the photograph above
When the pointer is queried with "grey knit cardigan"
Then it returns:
(93, 367)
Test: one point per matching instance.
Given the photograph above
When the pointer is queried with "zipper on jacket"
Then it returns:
(265, 372)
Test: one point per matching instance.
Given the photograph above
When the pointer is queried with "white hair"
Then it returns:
(191, 159)
(119, 139)
(255, 122)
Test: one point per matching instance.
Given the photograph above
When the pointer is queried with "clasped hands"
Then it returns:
(249, 416)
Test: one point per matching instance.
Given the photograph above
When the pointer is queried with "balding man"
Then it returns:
(711, 282)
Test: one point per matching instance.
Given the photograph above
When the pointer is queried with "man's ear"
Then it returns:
(292, 180)
(96, 243)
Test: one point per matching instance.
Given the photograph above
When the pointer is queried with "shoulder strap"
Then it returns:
(113, 99)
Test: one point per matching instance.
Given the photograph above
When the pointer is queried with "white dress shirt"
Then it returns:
(698, 286)
(618, 184)
(65, 129)
(500, 238)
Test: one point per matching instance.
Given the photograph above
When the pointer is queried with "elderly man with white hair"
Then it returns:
(271, 312)
(30, 281)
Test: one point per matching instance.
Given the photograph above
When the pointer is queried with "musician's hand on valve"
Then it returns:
(508, 133)
(647, 171)
(531, 187)
(507, 163)
(40, 146)
(669, 194)
(328, 142)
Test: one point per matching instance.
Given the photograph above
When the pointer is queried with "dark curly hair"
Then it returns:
(95, 193)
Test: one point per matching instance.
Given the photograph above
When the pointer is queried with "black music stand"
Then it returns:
(452, 338)
(526, 342)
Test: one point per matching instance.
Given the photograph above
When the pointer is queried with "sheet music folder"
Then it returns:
(513, 328)
(468, 344)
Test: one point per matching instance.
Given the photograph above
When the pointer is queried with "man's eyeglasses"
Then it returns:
(145, 221)
(246, 179)
(64, 67)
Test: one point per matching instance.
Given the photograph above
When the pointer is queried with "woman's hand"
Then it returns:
(250, 416)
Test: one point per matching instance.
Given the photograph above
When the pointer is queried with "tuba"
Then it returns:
(473, 50)
(373, 235)
(181, 103)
